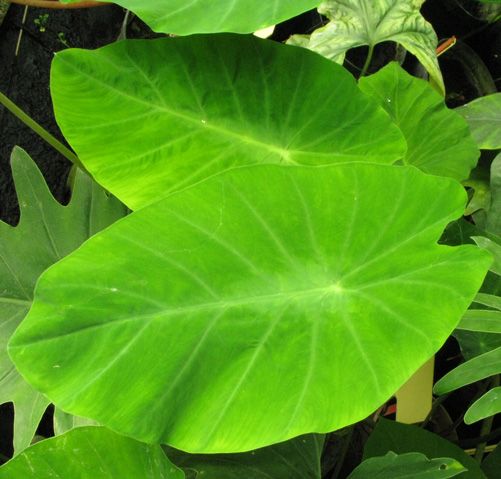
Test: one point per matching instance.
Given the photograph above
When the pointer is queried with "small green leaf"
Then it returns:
(475, 369)
(438, 139)
(483, 115)
(488, 405)
(354, 23)
(91, 453)
(244, 310)
(407, 466)
(199, 16)
(47, 232)
(488, 300)
(151, 117)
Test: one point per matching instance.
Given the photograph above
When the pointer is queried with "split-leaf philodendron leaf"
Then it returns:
(260, 304)
(47, 232)
(183, 17)
(355, 23)
(150, 117)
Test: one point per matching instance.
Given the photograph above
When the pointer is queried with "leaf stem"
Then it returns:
(367, 61)
(344, 451)
(42, 132)
(486, 427)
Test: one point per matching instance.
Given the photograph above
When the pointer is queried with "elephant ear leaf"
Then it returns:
(199, 16)
(243, 311)
(47, 232)
(151, 117)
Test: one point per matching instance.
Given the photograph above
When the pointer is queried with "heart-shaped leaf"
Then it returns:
(149, 117)
(263, 303)
(199, 16)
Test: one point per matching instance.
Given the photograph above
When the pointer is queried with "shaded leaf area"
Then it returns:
(483, 115)
(47, 232)
(242, 311)
(198, 16)
(492, 463)
(64, 422)
(91, 453)
(298, 458)
(407, 466)
(355, 23)
(404, 438)
(438, 139)
(488, 405)
(150, 117)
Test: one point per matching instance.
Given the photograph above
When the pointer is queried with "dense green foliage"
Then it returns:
(281, 273)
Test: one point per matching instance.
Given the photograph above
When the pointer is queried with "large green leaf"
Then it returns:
(260, 304)
(438, 139)
(405, 438)
(199, 16)
(484, 118)
(407, 466)
(298, 458)
(91, 453)
(46, 233)
(149, 117)
(355, 23)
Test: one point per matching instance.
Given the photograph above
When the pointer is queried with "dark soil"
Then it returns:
(24, 79)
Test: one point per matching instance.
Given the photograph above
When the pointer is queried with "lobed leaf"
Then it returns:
(150, 117)
(47, 232)
(355, 23)
(243, 311)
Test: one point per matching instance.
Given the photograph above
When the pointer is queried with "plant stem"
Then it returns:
(367, 61)
(57, 4)
(486, 426)
(346, 445)
(42, 132)
(434, 407)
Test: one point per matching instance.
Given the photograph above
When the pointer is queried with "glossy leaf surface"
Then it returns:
(484, 118)
(198, 16)
(150, 117)
(355, 23)
(47, 232)
(91, 453)
(244, 310)
(298, 458)
(405, 438)
(438, 139)
(407, 466)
